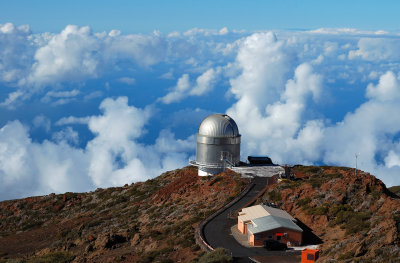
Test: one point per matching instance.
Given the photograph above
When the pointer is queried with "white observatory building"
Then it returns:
(218, 145)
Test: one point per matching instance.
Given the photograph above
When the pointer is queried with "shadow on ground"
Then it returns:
(309, 238)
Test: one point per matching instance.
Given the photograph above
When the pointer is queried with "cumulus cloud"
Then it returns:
(205, 82)
(280, 127)
(301, 97)
(16, 53)
(144, 49)
(29, 168)
(264, 64)
(277, 124)
(113, 157)
(72, 54)
(178, 92)
(184, 88)
(371, 130)
(377, 49)
(387, 88)
(35, 63)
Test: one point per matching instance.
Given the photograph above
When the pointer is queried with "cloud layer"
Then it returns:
(113, 157)
(310, 97)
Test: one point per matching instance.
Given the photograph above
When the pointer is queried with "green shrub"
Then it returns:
(56, 257)
(12, 261)
(396, 217)
(307, 169)
(304, 202)
(274, 196)
(216, 180)
(31, 224)
(347, 255)
(219, 255)
(349, 219)
(336, 208)
(395, 189)
(292, 184)
(319, 210)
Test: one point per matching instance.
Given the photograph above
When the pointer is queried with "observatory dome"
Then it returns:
(218, 125)
(218, 144)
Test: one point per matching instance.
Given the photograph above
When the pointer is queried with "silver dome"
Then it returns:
(218, 144)
(218, 125)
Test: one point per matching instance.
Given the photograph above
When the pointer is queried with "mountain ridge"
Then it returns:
(353, 217)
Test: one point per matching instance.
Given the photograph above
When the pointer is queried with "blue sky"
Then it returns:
(98, 94)
(167, 16)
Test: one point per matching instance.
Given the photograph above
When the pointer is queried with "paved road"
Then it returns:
(218, 234)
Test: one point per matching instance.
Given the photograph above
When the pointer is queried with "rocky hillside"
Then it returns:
(356, 218)
(142, 222)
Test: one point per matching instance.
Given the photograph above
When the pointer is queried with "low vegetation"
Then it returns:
(354, 217)
(150, 221)
(56, 257)
(219, 255)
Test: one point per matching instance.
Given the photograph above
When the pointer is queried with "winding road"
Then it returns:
(217, 232)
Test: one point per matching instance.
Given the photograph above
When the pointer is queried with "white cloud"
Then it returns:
(184, 88)
(36, 63)
(144, 49)
(178, 92)
(387, 89)
(113, 157)
(168, 75)
(223, 31)
(10, 101)
(74, 54)
(377, 49)
(205, 82)
(72, 120)
(60, 97)
(277, 124)
(67, 135)
(279, 128)
(127, 80)
(16, 53)
(291, 93)
(264, 64)
(392, 159)
(42, 121)
(370, 130)
(28, 168)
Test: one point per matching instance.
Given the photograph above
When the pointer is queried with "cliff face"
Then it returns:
(355, 217)
(142, 222)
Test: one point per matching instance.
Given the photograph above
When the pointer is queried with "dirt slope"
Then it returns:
(143, 222)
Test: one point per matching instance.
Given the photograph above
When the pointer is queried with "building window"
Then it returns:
(257, 237)
(270, 237)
